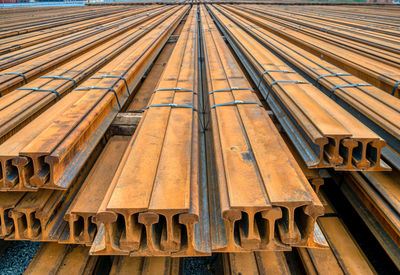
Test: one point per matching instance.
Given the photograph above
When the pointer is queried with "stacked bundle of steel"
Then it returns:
(203, 171)
(166, 138)
(36, 216)
(24, 104)
(244, 136)
(323, 132)
(375, 66)
(20, 74)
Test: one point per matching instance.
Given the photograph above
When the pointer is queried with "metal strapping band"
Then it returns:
(113, 76)
(349, 86)
(328, 75)
(278, 71)
(174, 89)
(231, 89)
(268, 71)
(101, 88)
(173, 105)
(60, 77)
(41, 90)
(290, 81)
(395, 87)
(235, 103)
(20, 74)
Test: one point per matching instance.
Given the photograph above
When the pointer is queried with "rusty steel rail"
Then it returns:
(372, 106)
(363, 40)
(26, 40)
(53, 258)
(97, 102)
(344, 255)
(17, 172)
(357, 21)
(168, 207)
(322, 131)
(248, 188)
(13, 28)
(80, 215)
(375, 198)
(256, 263)
(371, 65)
(20, 74)
(24, 104)
(146, 265)
(19, 56)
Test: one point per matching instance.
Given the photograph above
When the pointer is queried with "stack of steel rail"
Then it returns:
(231, 113)
(323, 132)
(169, 214)
(373, 194)
(42, 156)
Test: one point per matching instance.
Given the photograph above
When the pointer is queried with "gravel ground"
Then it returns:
(17, 257)
(200, 265)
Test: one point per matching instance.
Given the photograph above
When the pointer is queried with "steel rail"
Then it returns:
(170, 190)
(27, 54)
(319, 26)
(21, 106)
(312, 121)
(23, 41)
(145, 265)
(81, 214)
(101, 99)
(378, 208)
(373, 71)
(53, 258)
(372, 106)
(344, 255)
(45, 24)
(244, 140)
(44, 63)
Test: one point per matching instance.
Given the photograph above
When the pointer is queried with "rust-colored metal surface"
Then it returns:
(162, 161)
(80, 215)
(244, 136)
(53, 258)
(344, 255)
(330, 136)
(62, 144)
(154, 131)
(145, 265)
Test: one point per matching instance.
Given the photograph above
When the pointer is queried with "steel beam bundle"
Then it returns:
(248, 154)
(26, 40)
(157, 187)
(372, 106)
(16, 26)
(204, 165)
(8, 60)
(24, 104)
(15, 76)
(322, 131)
(44, 156)
(373, 65)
